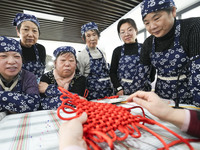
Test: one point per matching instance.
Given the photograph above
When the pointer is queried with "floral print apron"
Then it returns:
(98, 81)
(36, 67)
(169, 66)
(127, 72)
(16, 96)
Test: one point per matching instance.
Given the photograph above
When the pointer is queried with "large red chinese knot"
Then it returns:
(104, 119)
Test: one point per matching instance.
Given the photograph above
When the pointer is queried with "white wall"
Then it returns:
(50, 46)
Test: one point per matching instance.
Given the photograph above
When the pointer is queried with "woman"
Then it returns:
(125, 60)
(92, 64)
(173, 49)
(34, 54)
(18, 88)
(65, 74)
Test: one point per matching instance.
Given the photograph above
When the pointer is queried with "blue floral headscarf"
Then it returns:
(88, 26)
(9, 44)
(148, 6)
(64, 49)
(20, 17)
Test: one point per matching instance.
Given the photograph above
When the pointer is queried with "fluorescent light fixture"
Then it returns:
(44, 16)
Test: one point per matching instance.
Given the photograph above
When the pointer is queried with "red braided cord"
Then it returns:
(104, 119)
(155, 134)
(110, 97)
(175, 134)
(179, 141)
(86, 93)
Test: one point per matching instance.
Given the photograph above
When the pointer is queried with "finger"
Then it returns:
(141, 102)
(83, 117)
(136, 94)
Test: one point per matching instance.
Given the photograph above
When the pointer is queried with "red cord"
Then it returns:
(86, 93)
(104, 119)
(179, 141)
(110, 97)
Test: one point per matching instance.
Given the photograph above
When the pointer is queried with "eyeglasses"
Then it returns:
(129, 31)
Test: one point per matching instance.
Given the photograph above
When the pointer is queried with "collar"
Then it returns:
(8, 83)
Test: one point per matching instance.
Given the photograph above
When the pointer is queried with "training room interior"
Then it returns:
(60, 25)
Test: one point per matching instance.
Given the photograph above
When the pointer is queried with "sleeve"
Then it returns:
(79, 86)
(45, 78)
(146, 51)
(30, 84)
(42, 53)
(83, 63)
(145, 62)
(114, 69)
(194, 124)
(193, 48)
(26, 101)
(192, 36)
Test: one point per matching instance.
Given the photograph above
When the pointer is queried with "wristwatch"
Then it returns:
(119, 89)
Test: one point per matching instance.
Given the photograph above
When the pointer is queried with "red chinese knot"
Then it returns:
(104, 119)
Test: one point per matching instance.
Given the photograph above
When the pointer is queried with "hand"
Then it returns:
(121, 92)
(151, 102)
(157, 107)
(71, 132)
(42, 87)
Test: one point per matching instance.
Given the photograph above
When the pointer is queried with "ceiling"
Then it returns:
(75, 13)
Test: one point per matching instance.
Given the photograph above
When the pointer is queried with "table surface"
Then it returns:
(39, 131)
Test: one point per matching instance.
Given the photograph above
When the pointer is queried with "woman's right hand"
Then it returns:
(152, 102)
(157, 107)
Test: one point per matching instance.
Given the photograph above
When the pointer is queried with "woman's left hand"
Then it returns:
(42, 87)
(71, 133)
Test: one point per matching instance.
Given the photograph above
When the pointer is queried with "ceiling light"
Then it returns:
(44, 16)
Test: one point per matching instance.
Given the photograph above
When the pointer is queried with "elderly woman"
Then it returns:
(18, 88)
(64, 75)
(34, 54)
(92, 64)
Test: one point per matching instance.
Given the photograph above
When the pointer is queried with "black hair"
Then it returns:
(168, 10)
(127, 20)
